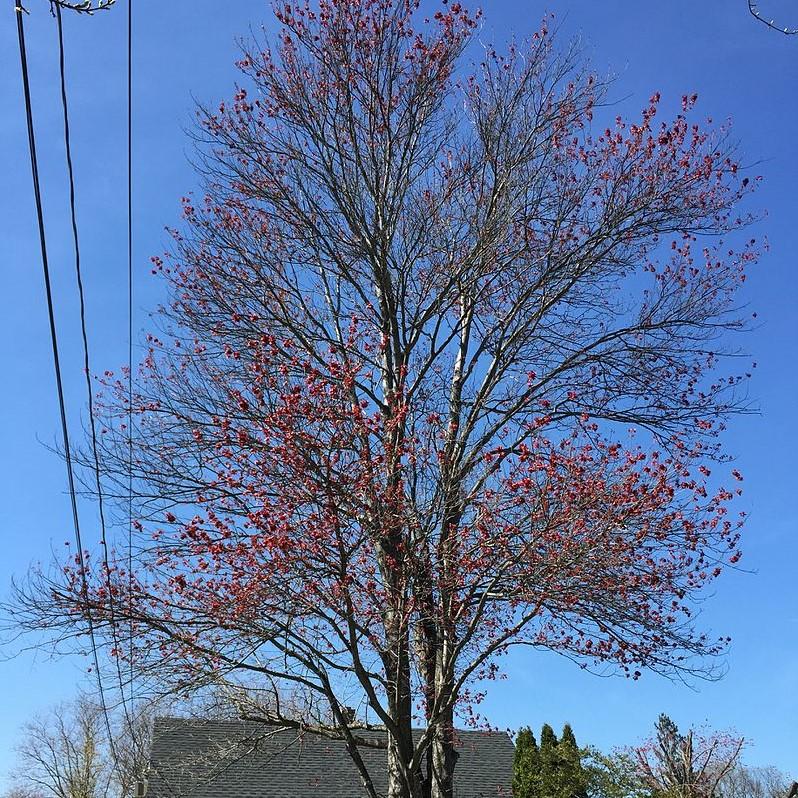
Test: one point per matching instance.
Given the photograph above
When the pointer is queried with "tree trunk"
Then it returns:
(442, 755)
(443, 760)
(401, 782)
(396, 661)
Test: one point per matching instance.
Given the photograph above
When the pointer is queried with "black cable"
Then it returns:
(87, 372)
(80, 559)
(130, 326)
(753, 8)
(79, 276)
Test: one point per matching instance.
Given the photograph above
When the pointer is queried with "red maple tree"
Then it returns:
(438, 377)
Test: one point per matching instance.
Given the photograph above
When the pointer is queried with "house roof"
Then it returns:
(234, 759)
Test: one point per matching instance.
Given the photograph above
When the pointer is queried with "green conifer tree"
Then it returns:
(552, 771)
(526, 766)
(549, 764)
(572, 777)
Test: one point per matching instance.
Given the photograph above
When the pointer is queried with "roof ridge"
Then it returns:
(245, 722)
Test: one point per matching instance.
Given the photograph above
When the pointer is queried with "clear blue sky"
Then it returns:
(186, 48)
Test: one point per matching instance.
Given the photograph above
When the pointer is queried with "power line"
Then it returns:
(130, 330)
(89, 392)
(753, 7)
(80, 558)
(79, 277)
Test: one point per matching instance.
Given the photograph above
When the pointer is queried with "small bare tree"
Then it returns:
(67, 753)
(63, 753)
(24, 792)
(132, 739)
(691, 765)
(748, 782)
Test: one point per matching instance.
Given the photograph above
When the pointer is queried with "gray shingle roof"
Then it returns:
(233, 759)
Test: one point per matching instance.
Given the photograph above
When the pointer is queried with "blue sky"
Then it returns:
(185, 49)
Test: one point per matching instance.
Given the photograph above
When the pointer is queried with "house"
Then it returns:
(235, 759)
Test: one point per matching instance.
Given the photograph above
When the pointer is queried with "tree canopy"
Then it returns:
(442, 373)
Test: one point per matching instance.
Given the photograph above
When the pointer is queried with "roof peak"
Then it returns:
(207, 721)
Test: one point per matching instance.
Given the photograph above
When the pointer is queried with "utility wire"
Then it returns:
(80, 558)
(753, 7)
(130, 330)
(87, 372)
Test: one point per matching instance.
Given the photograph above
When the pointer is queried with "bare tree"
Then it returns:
(754, 782)
(25, 792)
(691, 765)
(66, 753)
(131, 750)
